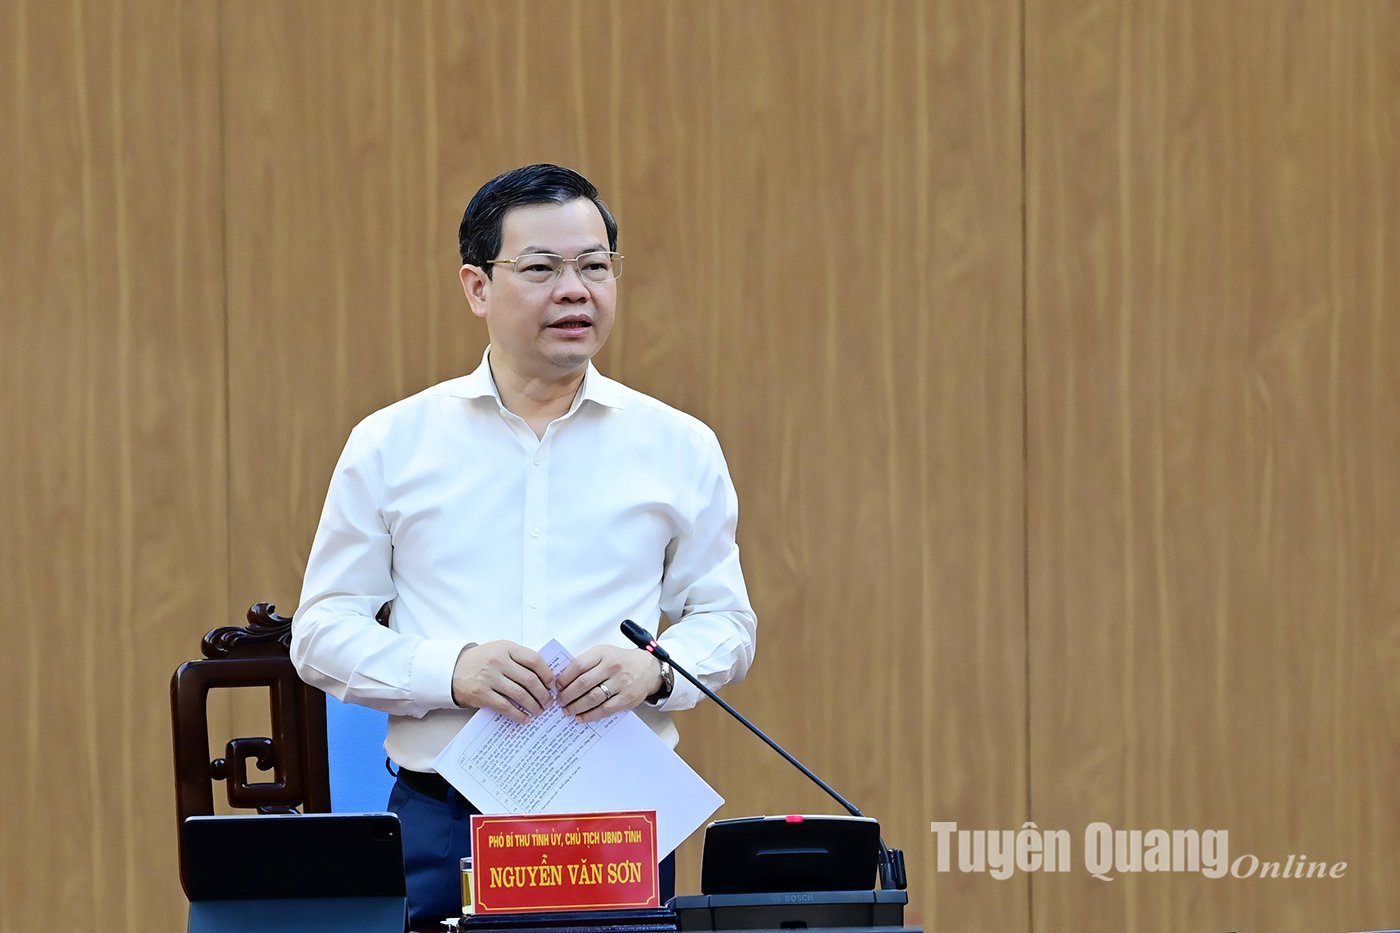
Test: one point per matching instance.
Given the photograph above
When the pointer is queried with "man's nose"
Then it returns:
(570, 285)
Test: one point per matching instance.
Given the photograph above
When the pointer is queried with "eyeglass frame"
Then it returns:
(618, 257)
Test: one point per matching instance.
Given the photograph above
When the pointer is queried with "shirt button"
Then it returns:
(534, 604)
(534, 532)
(539, 460)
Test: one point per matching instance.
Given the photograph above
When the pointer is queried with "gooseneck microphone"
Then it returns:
(892, 873)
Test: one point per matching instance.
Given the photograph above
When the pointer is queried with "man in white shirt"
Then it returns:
(532, 499)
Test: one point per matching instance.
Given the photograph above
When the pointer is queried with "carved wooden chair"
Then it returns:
(296, 753)
(255, 656)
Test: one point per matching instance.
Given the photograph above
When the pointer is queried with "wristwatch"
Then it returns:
(668, 683)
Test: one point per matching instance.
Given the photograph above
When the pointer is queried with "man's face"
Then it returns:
(545, 330)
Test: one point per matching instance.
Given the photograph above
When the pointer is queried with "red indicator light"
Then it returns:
(792, 818)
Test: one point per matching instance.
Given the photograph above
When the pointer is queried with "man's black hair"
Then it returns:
(479, 236)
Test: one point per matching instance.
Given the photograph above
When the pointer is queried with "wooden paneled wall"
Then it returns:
(114, 469)
(1213, 360)
(1053, 347)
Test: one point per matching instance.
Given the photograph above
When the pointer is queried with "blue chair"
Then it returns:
(360, 779)
(360, 782)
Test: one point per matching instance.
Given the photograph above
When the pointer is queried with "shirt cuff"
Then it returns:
(430, 677)
(684, 695)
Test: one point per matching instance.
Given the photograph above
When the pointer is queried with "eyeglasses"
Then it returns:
(597, 266)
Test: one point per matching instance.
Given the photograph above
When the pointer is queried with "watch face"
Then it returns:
(668, 683)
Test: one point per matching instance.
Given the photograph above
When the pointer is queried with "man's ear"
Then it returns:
(477, 287)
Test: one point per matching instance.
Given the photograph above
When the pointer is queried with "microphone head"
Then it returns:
(636, 634)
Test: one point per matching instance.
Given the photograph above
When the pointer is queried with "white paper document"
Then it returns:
(556, 764)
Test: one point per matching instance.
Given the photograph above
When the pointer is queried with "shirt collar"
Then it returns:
(596, 387)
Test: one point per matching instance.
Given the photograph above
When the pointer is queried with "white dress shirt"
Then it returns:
(449, 506)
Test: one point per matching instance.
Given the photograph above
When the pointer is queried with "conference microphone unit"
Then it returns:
(892, 873)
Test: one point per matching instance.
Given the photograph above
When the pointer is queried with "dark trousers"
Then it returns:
(436, 835)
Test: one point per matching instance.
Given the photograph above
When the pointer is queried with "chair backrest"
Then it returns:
(297, 751)
(251, 656)
(360, 782)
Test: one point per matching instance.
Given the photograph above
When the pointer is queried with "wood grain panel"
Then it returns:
(820, 205)
(113, 420)
(340, 254)
(859, 354)
(1213, 357)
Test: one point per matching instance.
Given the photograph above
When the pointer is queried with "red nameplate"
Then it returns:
(564, 861)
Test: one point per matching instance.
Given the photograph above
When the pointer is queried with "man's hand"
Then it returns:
(492, 675)
(627, 677)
